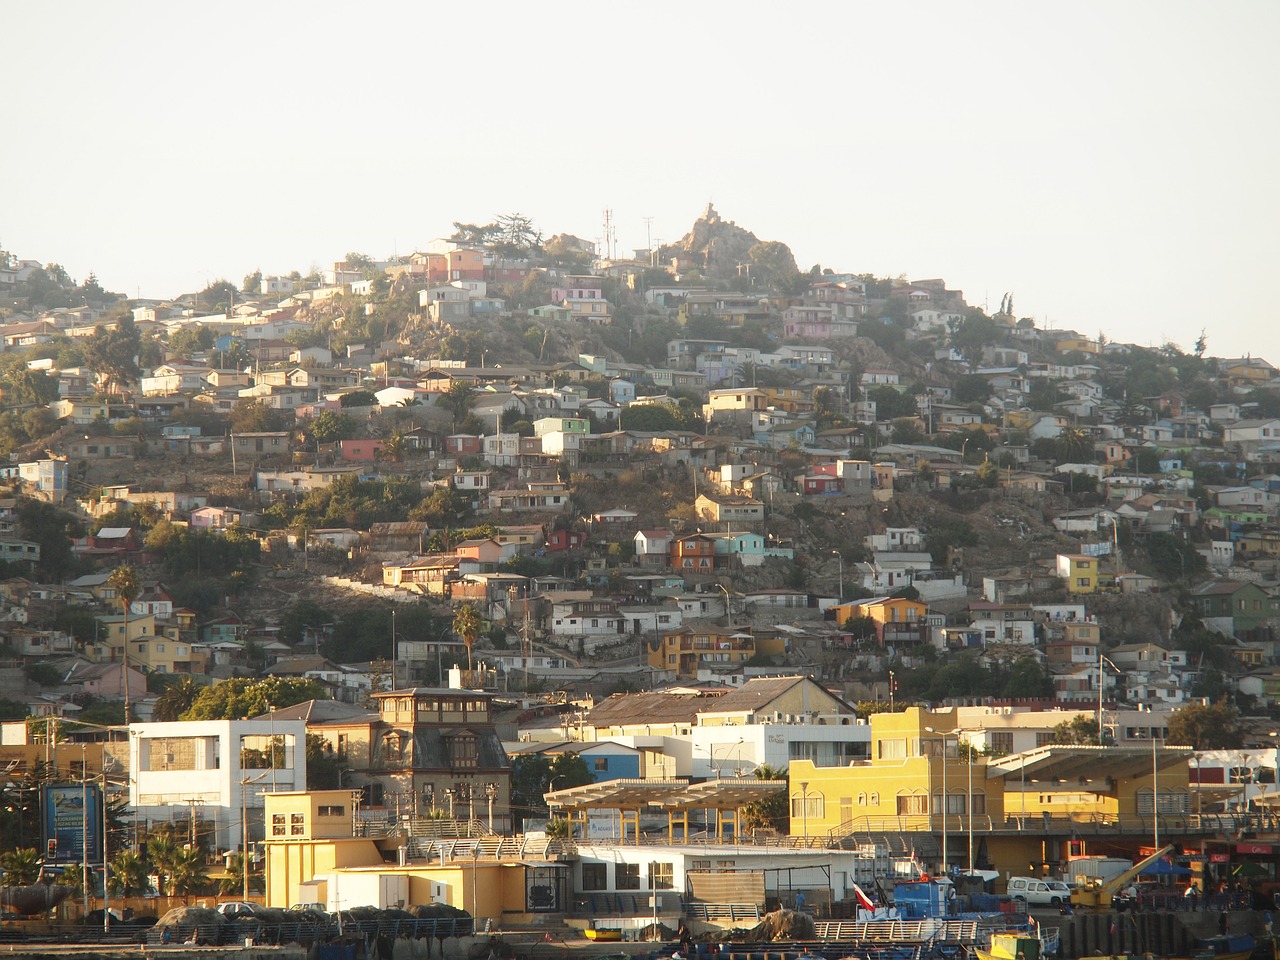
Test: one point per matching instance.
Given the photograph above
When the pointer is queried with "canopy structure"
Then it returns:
(629, 798)
(1088, 764)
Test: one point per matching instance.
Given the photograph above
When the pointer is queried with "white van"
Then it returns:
(1040, 893)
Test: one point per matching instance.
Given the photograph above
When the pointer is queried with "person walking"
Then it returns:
(1224, 923)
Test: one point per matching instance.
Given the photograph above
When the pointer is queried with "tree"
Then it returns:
(188, 875)
(466, 624)
(113, 353)
(1079, 729)
(332, 426)
(232, 885)
(254, 416)
(358, 398)
(533, 776)
(244, 697)
(252, 282)
(324, 766)
(1214, 726)
(176, 698)
(891, 404)
(124, 581)
(128, 875)
(457, 400)
(161, 852)
(21, 867)
(217, 297)
(52, 528)
(774, 811)
(1172, 557)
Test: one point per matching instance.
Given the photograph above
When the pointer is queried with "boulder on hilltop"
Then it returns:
(719, 246)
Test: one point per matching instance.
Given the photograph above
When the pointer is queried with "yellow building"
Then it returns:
(1042, 805)
(1081, 573)
(312, 857)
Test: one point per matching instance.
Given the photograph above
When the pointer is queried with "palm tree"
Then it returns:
(466, 624)
(162, 852)
(772, 812)
(128, 875)
(395, 446)
(21, 866)
(124, 580)
(188, 872)
(176, 698)
(233, 883)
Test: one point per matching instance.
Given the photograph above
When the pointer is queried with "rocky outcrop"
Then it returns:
(715, 246)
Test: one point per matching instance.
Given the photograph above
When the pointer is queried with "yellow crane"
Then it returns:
(1098, 894)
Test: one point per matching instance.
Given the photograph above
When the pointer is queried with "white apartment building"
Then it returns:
(213, 766)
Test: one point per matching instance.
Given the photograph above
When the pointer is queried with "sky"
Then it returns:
(1112, 165)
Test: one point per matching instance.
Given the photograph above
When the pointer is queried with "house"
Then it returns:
(1080, 572)
(652, 547)
(693, 554)
(731, 510)
(897, 621)
(1234, 608)
(272, 442)
(685, 651)
(361, 451)
(1248, 437)
(561, 539)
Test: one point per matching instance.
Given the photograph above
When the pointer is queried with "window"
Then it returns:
(892, 749)
(661, 876)
(600, 764)
(912, 804)
(462, 751)
(808, 805)
(331, 811)
(1002, 741)
(595, 876)
(628, 876)
(173, 753)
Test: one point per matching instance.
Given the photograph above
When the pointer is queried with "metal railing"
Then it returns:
(1227, 824)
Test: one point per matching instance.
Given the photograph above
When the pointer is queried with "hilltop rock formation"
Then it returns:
(717, 247)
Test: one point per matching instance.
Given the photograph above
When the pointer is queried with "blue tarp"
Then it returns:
(1163, 868)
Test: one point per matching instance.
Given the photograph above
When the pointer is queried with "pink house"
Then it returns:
(361, 451)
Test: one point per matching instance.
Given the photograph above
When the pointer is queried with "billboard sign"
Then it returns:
(69, 809)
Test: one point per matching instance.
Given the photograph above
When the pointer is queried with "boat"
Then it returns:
(602, 934)
(1014, 945)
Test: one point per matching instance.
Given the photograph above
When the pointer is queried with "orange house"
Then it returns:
(694, 554)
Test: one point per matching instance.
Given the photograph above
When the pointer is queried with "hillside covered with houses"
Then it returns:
(555, 473)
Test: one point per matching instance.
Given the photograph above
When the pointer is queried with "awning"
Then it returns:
(722, 794)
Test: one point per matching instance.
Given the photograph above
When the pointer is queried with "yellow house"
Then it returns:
(1079, 571)
(311, 848)
(897, 620)
(1082, 344)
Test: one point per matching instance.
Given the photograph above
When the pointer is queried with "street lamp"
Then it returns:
(804, 810)
(943, 805)
(968, 804)
(1101, 686)
(840, 559)
(491, 792)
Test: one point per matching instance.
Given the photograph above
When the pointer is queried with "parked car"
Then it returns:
(1037, 892)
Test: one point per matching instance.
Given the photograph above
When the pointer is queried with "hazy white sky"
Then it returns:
(1111, 163)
